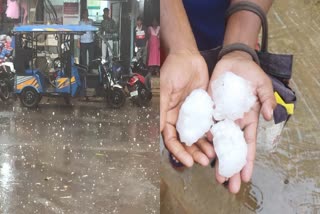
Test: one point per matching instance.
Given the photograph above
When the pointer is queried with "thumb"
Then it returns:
(164, 103)
(267, 100)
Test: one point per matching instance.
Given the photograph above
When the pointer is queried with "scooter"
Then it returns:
(139, 81)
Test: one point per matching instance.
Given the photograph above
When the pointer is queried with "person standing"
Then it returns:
(141, 38)
(154, 45)
(86, 41)
(107, 30)
(13, 9)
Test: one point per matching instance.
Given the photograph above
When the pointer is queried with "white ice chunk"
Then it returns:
(195, 116)
(232, 96)
(230, 147)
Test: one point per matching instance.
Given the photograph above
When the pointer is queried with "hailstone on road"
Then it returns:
(230, 147)
(232, 96)
(195, 117)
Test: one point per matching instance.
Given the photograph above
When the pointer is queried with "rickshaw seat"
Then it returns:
(35, 72)
(32, 71)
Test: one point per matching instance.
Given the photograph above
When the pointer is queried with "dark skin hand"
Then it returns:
(175, 87)
(242, 65)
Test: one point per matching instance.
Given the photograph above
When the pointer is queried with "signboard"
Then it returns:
(71, 13)
(70, 8)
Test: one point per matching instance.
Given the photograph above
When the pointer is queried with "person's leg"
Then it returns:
(87, 45)
(104, 50)
(148, 80)
(90, 52)
(83, 55)
(110, 51)
(144, 55)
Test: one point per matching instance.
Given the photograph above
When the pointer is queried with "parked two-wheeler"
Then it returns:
(139, 81)
(114, 92)
(7, 73)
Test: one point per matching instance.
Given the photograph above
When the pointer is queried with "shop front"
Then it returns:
(123, 12)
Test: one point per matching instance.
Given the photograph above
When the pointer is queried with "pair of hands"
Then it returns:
(185, 71)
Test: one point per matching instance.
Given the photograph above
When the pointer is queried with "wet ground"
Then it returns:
(81, 159)
(287, 180)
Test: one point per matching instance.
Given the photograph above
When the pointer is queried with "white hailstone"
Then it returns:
(195, 116)
(230, 147)
(232, 96)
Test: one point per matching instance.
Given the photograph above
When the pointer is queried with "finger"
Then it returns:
(206, 147)
(209, 90)
(209, 136)
(197, 155)
(240, 123)
(235, 183)
(250, 135)
(175, 147)
(221, 179)
(249, 117)
(164, 103)
(266, 97)
(246, 172)
(267, 108)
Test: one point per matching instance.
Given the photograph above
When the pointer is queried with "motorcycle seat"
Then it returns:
(127, 75)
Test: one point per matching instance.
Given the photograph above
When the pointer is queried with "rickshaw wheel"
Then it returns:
(116, 98)
(30, 97)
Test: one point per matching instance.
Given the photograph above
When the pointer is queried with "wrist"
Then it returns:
(238, 54)
(239, 51)
(184, 51)
(242, 27)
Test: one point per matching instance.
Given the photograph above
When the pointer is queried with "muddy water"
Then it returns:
(287, 180)
(81, 159)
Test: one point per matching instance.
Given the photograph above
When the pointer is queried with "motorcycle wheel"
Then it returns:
(116, 98)
(144, 96)
(4, 91)
(30, 98)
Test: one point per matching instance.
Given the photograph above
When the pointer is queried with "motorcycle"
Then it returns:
(139, 81)
(7, 71)
(108, 70)
(7, 74)
(114, 92)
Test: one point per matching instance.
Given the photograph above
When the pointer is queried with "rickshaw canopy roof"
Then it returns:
(67, 29)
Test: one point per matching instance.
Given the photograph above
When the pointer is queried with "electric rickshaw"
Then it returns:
(60, 76)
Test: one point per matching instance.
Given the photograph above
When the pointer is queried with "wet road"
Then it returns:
(287, 180)
(81, 159)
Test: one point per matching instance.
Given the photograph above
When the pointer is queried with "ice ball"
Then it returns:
(232, 96)
(195, 117)
(230, 147)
